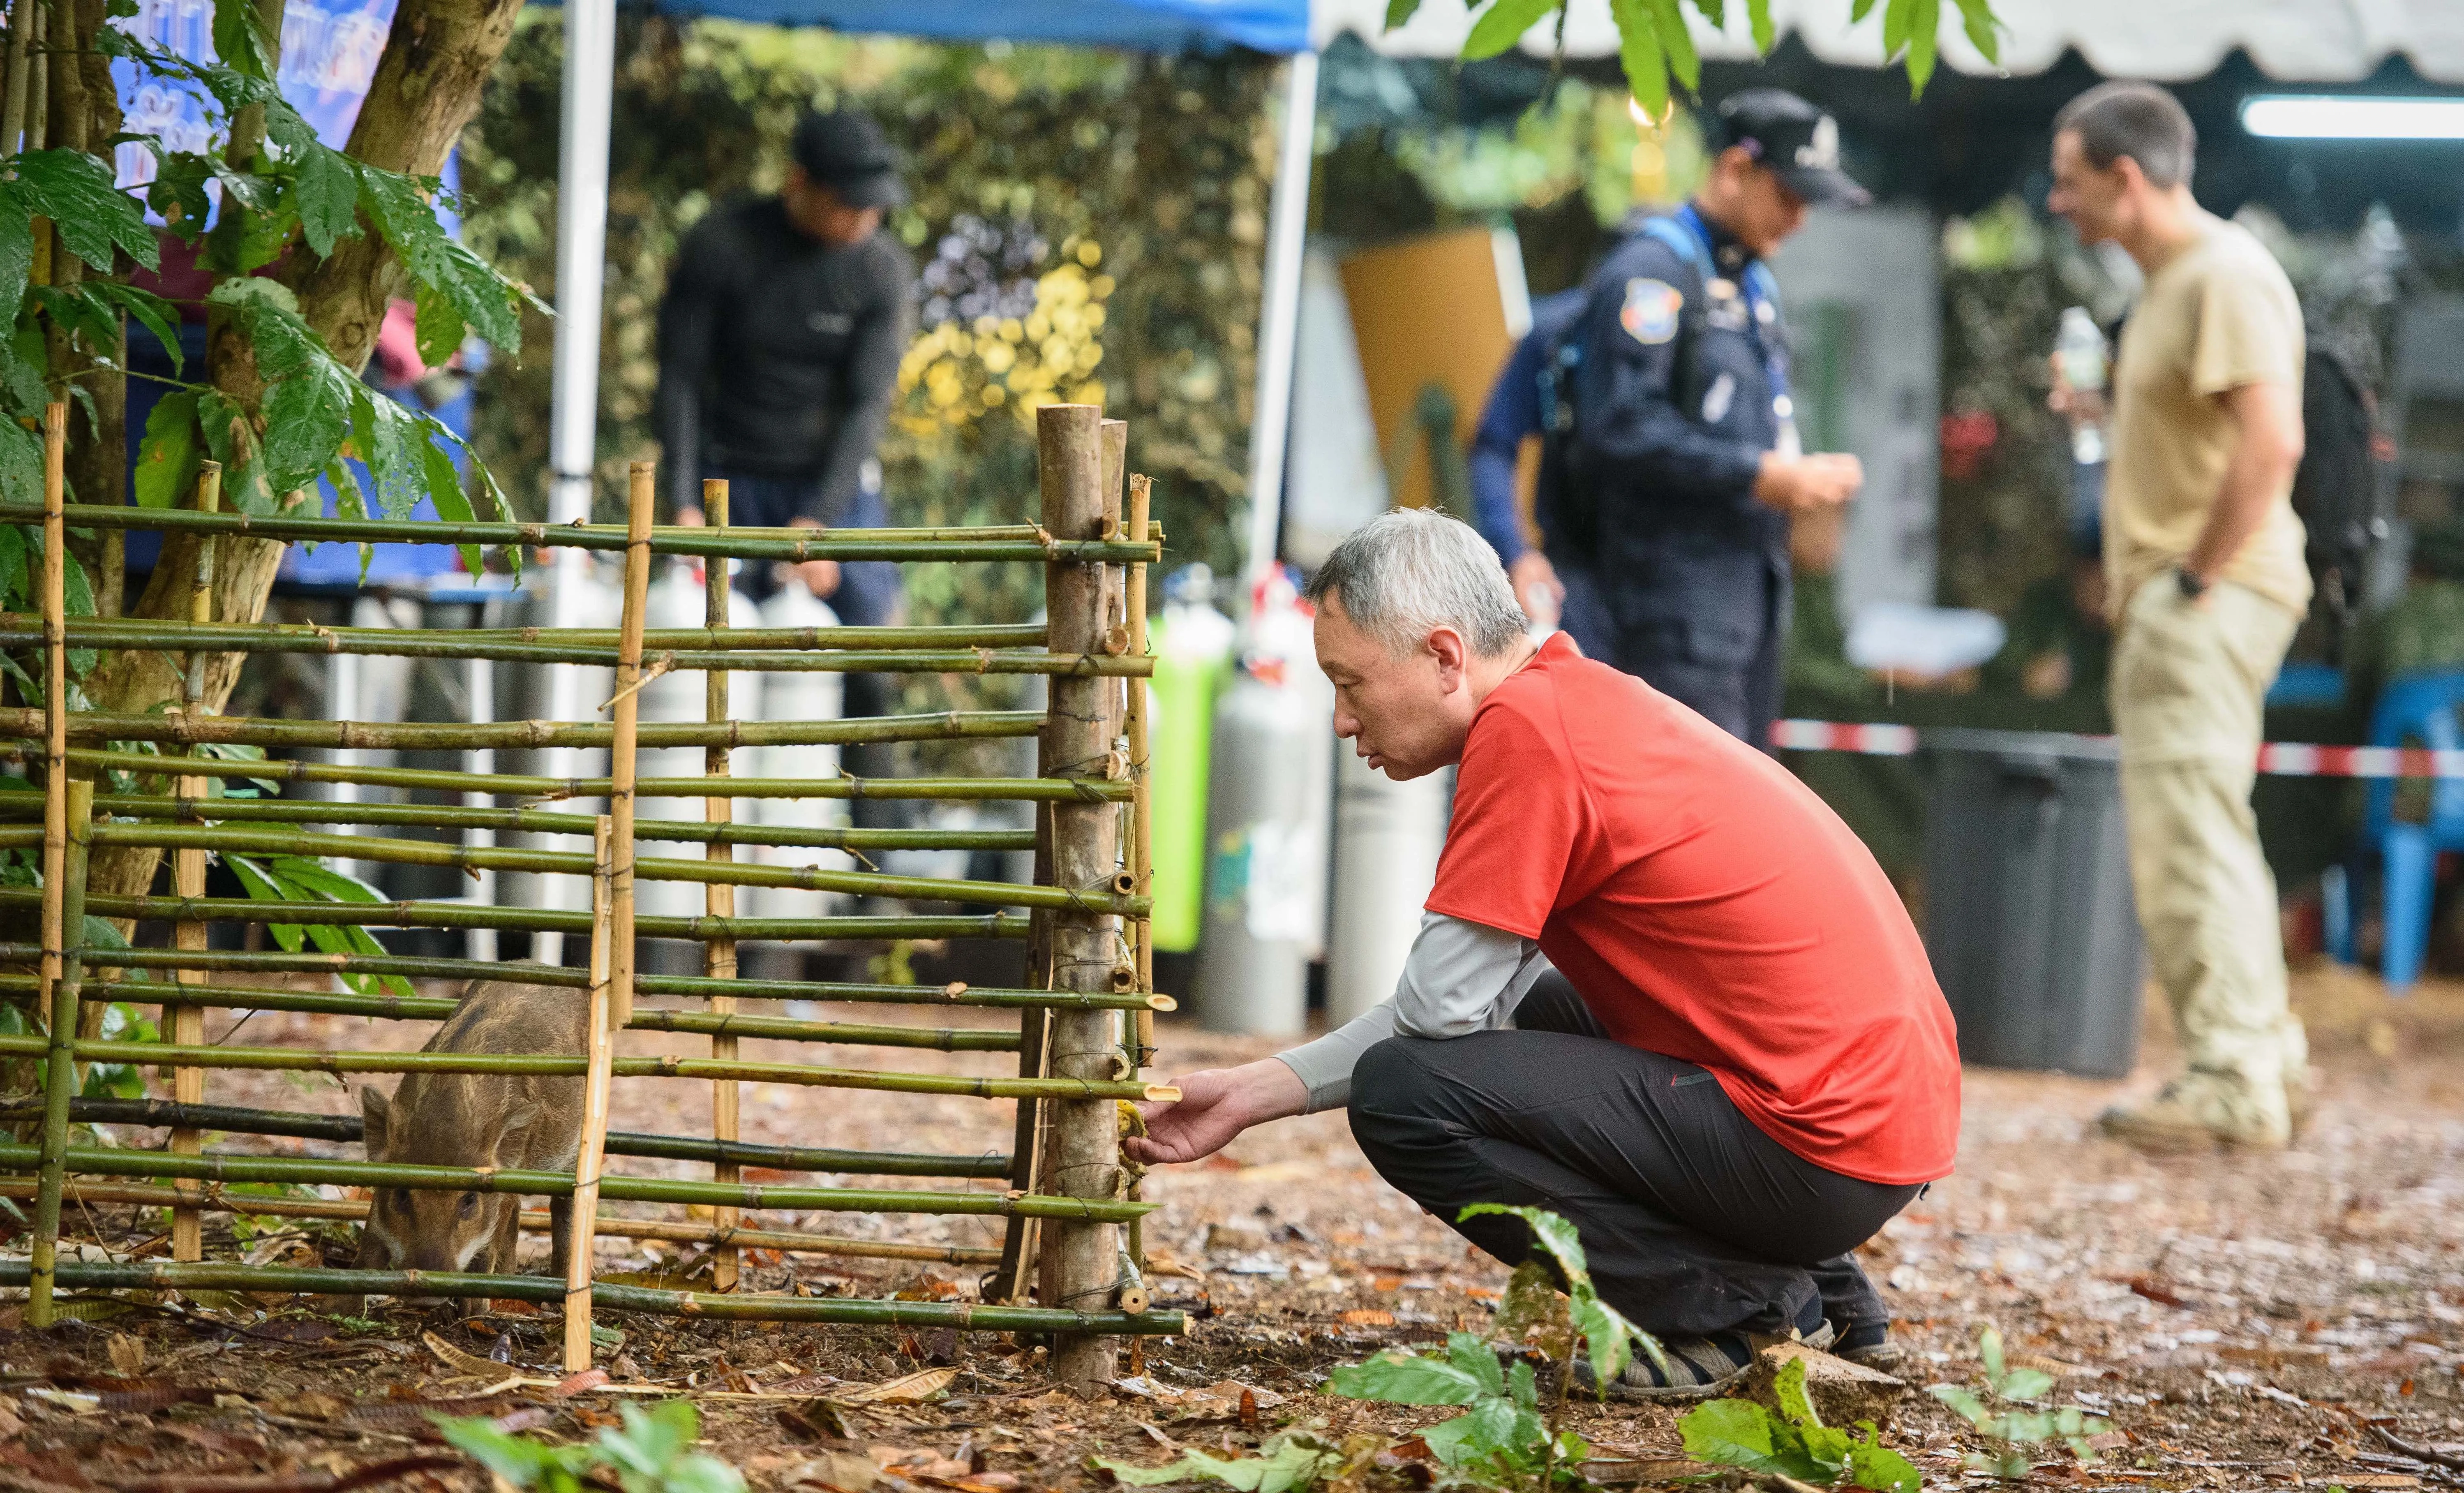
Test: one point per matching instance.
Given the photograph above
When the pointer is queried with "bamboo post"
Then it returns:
(1078, 1262)
(59, 1066)
(56, 684)
(184, 1022)
(1141, 1043)
(599, 1033)
(718, 956)
(625, 738)
(1141, 828)
(13, 112)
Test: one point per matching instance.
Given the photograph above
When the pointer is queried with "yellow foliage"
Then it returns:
(952, 374)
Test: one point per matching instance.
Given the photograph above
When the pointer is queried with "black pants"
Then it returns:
(1694, 1221)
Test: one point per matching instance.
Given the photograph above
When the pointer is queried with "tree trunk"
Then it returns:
(84, 107)
(436, 60)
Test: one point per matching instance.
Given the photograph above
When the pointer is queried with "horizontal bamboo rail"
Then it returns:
(345, 1130)
(175, 638)
(107, 632)
(450, 781)
(545, 822)
(212, 1199)
(549, 1065)
(305, 963)
(18, 989)
(795, 547)
(577, 863)
(449, 914)
(113, 1161)
(27, 724)
(158, 1275)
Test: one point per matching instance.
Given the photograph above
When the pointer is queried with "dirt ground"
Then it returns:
(2244, 1321)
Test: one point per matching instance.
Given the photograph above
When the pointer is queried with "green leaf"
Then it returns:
(1874, 1465)
(1646, 67)
(1714, 12)
(21, 463)
(1925, 33)
(1989, 1349)
(92, 215)
(307, 416)
(1731, 1433)
(259, 887)
(1984, 32)
(151, 311)
(230, 439)
(328, 190)
(1859, 11)
(22, 369)
(1492, 1428)
(1401, 1379)
(485, 298)
(1398, 11)
(523, 1462)
(1677, 43)
(1963, 1402)
(241, 39)
(439, 325)
(16, 246)
(1795, 1403)
(1477, 1360)
(1502, 25)
(1549, 1230)
(1896, 16)
(1758, 15)
(2024, 1384)
(167, 458)
(1290, 1460)
(1608, 1337)
(1522, 1386)
(178, 190)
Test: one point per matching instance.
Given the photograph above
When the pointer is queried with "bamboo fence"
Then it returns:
(1085, 1009)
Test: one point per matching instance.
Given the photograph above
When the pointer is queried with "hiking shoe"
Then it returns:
(1699, 1367)
(1868, 1345)
(2199, 1112)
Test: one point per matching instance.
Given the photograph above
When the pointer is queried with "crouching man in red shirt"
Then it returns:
(1659, 987)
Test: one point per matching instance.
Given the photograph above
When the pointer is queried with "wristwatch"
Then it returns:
(2193, 587)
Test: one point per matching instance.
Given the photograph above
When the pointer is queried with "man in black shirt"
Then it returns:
(779, 348)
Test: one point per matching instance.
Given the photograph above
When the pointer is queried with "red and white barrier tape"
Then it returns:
(2280, 758)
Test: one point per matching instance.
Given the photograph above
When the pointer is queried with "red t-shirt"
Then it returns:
(1709, 908)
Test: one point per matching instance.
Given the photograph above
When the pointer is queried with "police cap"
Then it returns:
(1794, 139)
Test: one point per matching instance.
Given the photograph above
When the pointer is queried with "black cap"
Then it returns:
(847, 152)
(1796, 140)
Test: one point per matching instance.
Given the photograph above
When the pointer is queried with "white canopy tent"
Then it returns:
(2317, 41)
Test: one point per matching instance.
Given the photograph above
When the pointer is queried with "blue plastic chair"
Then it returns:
(2413, 710)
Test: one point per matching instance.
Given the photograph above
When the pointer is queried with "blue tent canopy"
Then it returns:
(1278, 25)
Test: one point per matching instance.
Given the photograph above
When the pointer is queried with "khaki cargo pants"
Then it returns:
(2188, 679)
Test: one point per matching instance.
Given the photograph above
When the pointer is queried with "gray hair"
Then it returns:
(2140, 120)
(1405, 574)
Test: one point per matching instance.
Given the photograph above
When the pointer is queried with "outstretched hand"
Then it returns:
(1216, 1104)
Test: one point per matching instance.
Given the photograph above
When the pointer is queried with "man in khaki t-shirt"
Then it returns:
(2206, 582)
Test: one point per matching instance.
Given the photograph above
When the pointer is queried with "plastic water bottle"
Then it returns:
(2079, 352)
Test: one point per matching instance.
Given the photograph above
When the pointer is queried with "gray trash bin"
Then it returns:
(2029, 917)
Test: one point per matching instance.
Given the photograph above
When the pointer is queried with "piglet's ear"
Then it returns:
(513, 1134)
(375, 1112)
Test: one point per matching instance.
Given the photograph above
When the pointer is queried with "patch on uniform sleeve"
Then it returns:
(1649, 315)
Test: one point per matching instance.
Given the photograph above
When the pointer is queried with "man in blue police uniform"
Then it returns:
(1547, 582)
(1681, 467)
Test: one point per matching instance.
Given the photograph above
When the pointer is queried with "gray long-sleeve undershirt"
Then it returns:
(1460, 977)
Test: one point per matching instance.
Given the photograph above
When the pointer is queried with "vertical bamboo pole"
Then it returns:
(622, 750)
(1141, 1044)
(186, 1024)
(13, 112)
(1012, 1278)
(719, 955)
(56, 687)
(59, 1071)
(600, 1034)
(1142, 826)
(1079, 1257)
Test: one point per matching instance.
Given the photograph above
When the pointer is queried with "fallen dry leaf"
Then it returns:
(912, 1389)
(1366, 1317)
(127, 1354)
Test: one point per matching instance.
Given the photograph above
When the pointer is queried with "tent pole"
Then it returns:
(1279, 313)
(581, 283)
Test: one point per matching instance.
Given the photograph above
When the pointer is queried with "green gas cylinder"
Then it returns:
(1193, 645)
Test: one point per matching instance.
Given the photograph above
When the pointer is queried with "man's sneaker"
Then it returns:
(2196, 1112)
(1698, 1366)
(1868, 1345)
